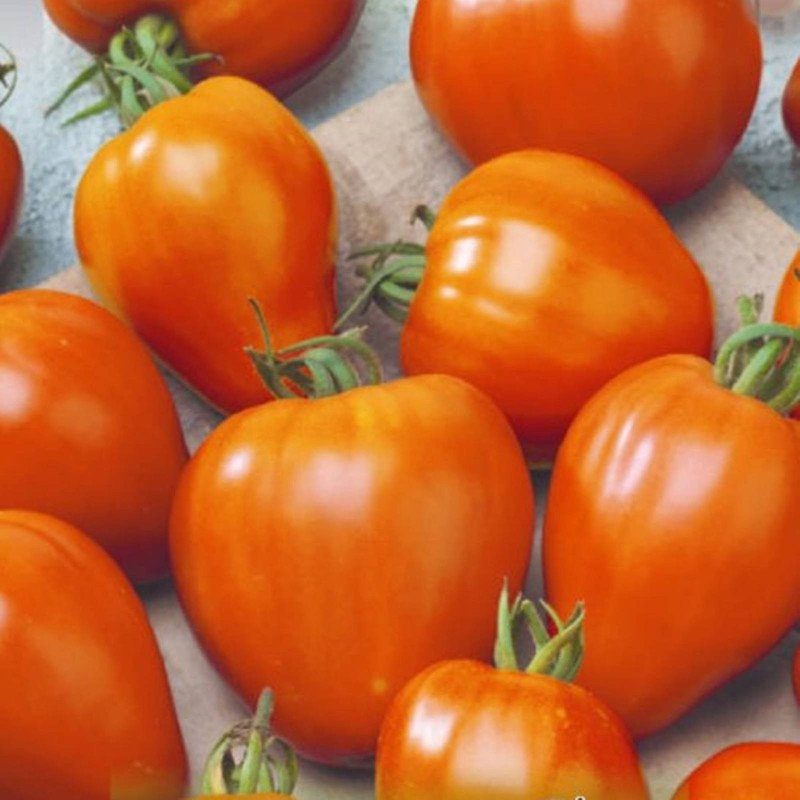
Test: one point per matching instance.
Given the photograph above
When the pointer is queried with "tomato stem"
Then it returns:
(558, 656)
(8, 74)
(393, 276)
(268, 764)
(145, 65)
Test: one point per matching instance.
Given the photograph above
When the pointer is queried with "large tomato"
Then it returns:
(791, 105)
(751, 771)
(182, 219)
(88, 429)
(85, 709)
(463, 730)
(280, 44)
(659, 92)
(545, 276)
(672, 495)
(331, 549)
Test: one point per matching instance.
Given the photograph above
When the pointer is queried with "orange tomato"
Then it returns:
(331, 549)
(279, 44)
(752, 771)
(546, 276)
(88, 428)
(791, 105)
(671, 495)
(182, 219)
(10, 188)
(787, 304)
(660, 93)
(85, 709)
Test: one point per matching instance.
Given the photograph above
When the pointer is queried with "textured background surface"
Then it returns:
(55, 158)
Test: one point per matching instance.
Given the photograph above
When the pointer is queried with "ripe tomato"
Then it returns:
(670, 495)
(787, 304)
(10, 188)
(545, 276)
(659, 93)
(279, 44)
(85, 709)
(791, 105)
(331, 549)
(182, 219)
(752, 771)
(88, 428)
(462, 730)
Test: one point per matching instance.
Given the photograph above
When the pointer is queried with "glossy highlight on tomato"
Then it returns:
(332, 549)
(658, 92)
(676, 492)
(750, 771)
(545, 276)
(85, 708)
(11, 176)
(88, 428)
(280, 44)
(183, 219)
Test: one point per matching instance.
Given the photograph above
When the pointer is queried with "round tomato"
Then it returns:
(279, 44)
(88, 429)
(791, 105)
(331, 549)
(462, 730)
(787, 304)
(184, 218)
(10, 188)
(752, 771)
(85, 709)
(545, 276)
(660, 93)
(669, 495)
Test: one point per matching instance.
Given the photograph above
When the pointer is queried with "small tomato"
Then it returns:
(791, 105)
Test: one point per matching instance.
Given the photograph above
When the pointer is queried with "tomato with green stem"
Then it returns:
(543, 276)
(660, 93)
(184, 218)
(413, 495)
(677, 484)
(463, 730)
(154, 50)
(11, 170)
(85, 708)
(749, 771)
(88, 427)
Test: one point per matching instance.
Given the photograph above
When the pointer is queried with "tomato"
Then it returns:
(280, 44)
(331, 549)
(545, 276)
(660, 94)
(671, 495)
(462, 731)
(10, 188)
(181, 220)
(791, 105)
(88, 428)
(85, 708)
(787, 304)
(752, 771)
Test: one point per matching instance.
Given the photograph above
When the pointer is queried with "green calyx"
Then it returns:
(8, 74)
(391, 275)
(249, 759)
(318, 367)
(145, 65)
(558, 656)
(761, 360)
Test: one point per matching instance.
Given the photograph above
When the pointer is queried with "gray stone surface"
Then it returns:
(55, 157)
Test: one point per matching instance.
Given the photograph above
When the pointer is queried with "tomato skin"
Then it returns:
(663, 474)
(11, 173)
(463, 731)
(88, 428)
(660, 95)
(546, 276)
(85, 704)
(413, 495)
(791, 105)
(182, 219)
(751, 771)
(280, 44)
